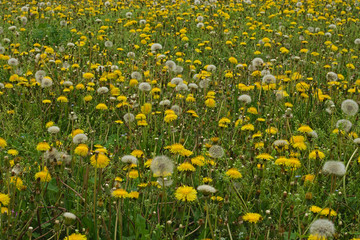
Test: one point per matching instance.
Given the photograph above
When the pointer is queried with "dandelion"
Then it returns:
(349, 107)
(4, 199)
(76, 236)
(206, 189)
(43, 146)
(81, 150)
(44, 175)
(53, 129)
(144, 87)
(323, 228)
(186, 167)
(129, 159)
(233, 173)
(186, 194)
(216, 151)
(244, 98)
(344, 124)
(162, 166)
(252, 217)
(99, 160)
(3, 143)
(102, 90)
(80, 138)
(156, 46)
(334, 167)
(129, 117)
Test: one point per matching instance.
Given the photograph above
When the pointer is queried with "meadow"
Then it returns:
(175, 119)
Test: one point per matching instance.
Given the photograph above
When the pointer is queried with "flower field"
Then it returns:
(175, 119)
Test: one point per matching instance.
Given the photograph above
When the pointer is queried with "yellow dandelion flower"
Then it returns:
(186, 194)
(186, 167)
(43, 146)
(99, 160)
(252, 217)
(4, 199)
(76, 236)
(120, 193)
(233, 173)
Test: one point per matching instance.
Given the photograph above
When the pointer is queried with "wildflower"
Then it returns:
(316, 154)
(133, 195)
(186, 167)
(53, 129)
(322, 228)
(334, 167)
(304, 129)
(186, 194)
(244, 98)
(162, 166)
(4, 199)
(233, 60)
(76, 236)
(99, 160)
(81, 150)
(88, 75)
(207, 189)
(349, 107)
(3, 143)
(264, 156)
(129, 159)
(137, 153)
(233, 173)
(252, 217)
(44, 175)
(101, 106)
(43, 146)
(133, 174)
(80, 138)
(144, 87)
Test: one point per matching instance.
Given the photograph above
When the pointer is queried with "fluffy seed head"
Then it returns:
(144, 87)
(162, 166)
(216, 151)
(156, 46)
(129, 117)
(80, 138)
(206, 189)
(323, 228)
(102, 90)
(129, 159)
(349, 107)
(344, 124)
(331, 76)
(244, 98)
(334, 167)
(53, 129)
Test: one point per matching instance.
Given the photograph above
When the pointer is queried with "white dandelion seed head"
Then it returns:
(334, 167)
(13, 62)
(144, 87)
(281, 143)
(24, 8)
(156, 46)
(142, 22)
(108, 44)
(257, 62)
(205, 83)
(165, 182)
(130, 55)
(39, 75)
(193, 86)
(331, 76)
(181, 87)
(129, 117)
(344, 124)
(51, 155)
(327, 34)
(80, 138)
(178, 69)
(128, 14)
(64, 157)
(312, 134)
(161, 56)
(102, 90)
(69, 215)
(357, 41)
(63, 23)
(200, 18)
(268, 79)
(171, 65)
(177, 80)
(349, 107)
(323, 228)
(200, 25)
(129, 159)
(2, 50)
(211, 68)
(244, 98)
(216, 151)
(332, 26)
(357, 141)
(68, 83)
(70, 44)
(177, 109)
(162, 166)
(46, 82)
(206, 189)
(136, 75)
(53, 129)
(164, 102)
